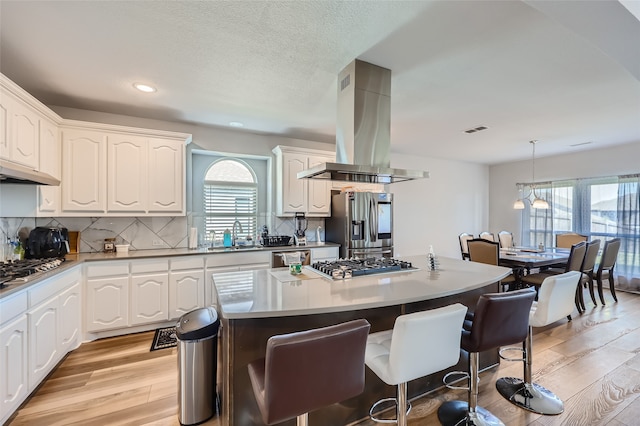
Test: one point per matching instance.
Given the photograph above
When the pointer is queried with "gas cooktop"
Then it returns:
(347, 268)
(17, 270)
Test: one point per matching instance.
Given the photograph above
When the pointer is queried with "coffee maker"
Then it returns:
(299, 236)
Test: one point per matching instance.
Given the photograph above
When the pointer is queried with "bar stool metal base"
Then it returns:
(383, 400)
(456, 413)
(529, 396)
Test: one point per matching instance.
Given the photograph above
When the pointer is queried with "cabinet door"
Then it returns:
(294, 190)
(43, 340)
(166, 176)
(149, 298)
(21, 132)
(50, 160)
(186, 292)
(126, 173)
(13, 365)
(319, 191)
(69, 318)
(84, 176)
(107, 303)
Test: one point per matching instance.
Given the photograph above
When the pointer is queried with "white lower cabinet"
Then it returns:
(149, 291)
(38, 326)
(232, 262)
(107, 296)
(186, 285)
(69, 324)
(13, 366)
(43, 340)
(149, 298)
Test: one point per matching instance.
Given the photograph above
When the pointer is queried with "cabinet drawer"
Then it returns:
(11, 307)
(146, 266)
(187, 262)
(324, 253)
(52, 286)
(107, 269)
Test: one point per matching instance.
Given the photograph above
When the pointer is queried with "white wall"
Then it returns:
(435, 211)
(612, 161)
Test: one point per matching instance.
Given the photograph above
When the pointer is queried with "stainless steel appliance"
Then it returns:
(348, 268)
(363, 131)
(362, 223)
(18, 272)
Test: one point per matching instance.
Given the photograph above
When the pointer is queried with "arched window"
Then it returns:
(230, 194)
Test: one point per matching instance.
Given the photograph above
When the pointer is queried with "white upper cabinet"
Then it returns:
(312, 197)
(127, 173)
(84, 176)
(20, 131)
(122, 171)
(166, 176)
(50, 163)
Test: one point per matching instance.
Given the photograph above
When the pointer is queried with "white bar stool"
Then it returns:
(420, 344)
(555, 301)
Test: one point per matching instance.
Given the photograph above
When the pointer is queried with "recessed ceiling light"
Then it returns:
(144, 87)
(236, 124)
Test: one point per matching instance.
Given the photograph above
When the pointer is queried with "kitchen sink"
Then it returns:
(232, 249)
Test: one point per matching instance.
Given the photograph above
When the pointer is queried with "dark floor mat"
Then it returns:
(164, 338)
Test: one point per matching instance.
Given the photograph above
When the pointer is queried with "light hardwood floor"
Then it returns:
(592, 363)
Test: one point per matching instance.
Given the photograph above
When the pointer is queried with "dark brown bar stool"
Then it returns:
(499, 319)
(307, 370)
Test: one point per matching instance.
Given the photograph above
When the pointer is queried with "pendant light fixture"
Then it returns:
(533, 198)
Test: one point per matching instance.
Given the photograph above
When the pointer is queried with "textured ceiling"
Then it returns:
(564, 73)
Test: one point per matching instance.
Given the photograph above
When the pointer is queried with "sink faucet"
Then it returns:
(234, 234)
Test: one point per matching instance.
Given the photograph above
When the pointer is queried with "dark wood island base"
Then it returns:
(244, 339)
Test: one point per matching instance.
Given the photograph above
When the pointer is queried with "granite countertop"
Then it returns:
(277, 293)
(73, 260)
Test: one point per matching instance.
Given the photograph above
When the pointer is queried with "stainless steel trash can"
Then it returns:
(197, 333)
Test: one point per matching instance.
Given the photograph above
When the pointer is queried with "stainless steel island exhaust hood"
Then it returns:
(16, 173)
(363, 132)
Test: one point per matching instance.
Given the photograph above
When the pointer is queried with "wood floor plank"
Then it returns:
(592, 362)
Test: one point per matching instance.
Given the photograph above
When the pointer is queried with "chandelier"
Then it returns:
(531, 197)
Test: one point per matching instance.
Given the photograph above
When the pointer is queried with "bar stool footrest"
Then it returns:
(456, 413)
(383, 400)
(529, 396)
(508, 349)
(449, 383)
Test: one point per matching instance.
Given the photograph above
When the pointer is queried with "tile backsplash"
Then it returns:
(142, 233)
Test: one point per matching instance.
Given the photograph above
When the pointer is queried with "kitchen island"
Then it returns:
(254, 305)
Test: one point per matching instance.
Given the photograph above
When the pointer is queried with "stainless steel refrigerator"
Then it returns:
(362, 223)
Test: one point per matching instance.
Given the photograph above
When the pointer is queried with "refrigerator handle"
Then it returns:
(373, 220)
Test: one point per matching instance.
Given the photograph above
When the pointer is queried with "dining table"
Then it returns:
(523, 259)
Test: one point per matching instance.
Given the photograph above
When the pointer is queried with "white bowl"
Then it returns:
(122, 248)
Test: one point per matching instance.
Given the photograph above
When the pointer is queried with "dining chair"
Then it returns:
(588, 265)
(505, 238)
(574, 263)
(463, 238)
(484, 251)
(487, 236)
(605, 268)
(569, 239)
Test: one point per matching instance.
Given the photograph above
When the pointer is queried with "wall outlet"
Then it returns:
(158, 243)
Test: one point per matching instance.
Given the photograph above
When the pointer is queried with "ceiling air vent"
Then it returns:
(476, 129)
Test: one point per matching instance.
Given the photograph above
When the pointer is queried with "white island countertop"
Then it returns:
(269, 293)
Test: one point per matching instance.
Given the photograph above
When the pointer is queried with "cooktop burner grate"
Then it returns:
(16, 269)
(347, 268)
